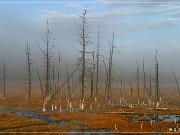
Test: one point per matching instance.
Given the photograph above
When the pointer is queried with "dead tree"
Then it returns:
(92, 83)
(122, 85)
(69, 91)
(97, 66)
(110, 69)
(68, 82)
(156, 81)
(83, 40)
(4, 79)
(144, 81)
(41, 86)
(47, 52)
(92, 77)
(28, 71)
(176, 83)
(58, 72)
(106, 80)
(150, 87)
(138, 79)
(48, 56)
(131, 92)
(120, 90)
(1, 90)
(72, 85)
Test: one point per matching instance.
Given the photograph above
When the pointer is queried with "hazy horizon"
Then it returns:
(140, 29)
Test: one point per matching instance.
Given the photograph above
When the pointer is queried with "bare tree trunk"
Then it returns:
(138, 79)
(1, 90)
(97, 66)
(83, 67)
(39, 77)
(92, 78)
(144, 81)
(68, 82)
(131, 92)
(72, 85)
(83, 34)
(47, 52)
(69, 91)
(176, 83)
(110, 69)
(156, 81)
(150, 88)
(59, 62)
(53, 80)
(29, 71)
(106, 81)
(4, 86)
(47, 63)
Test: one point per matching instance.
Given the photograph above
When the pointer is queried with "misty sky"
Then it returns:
(140, 27)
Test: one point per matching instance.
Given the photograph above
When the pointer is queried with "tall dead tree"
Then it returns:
(156, 81)
(48, 56)
(137, 79)
(4, 79)
(131, 92)
(47, 52)
(106, 80)
(176, 83)
(144, 81)
(1, 96)
(150, 87)
(68, 82)
(111, 51)
(92, 77)
(69, 91)
(58, 74)
(97, 66)
(83, 40)
(41, 86)
(28, 71)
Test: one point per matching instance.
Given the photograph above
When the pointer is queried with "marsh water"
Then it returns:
(37, 116)
(156, 118)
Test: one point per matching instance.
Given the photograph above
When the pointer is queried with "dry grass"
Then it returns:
(10, 121)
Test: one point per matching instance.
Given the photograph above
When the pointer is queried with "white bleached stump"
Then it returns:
(142, 125)
(90, 107)
(95, 99)
(81, 105)
(157, 104)
(151, 122)
(44, 107)
(60, 109)
(120, 100)
(115, 127)
(70, 106)
(52, 108)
